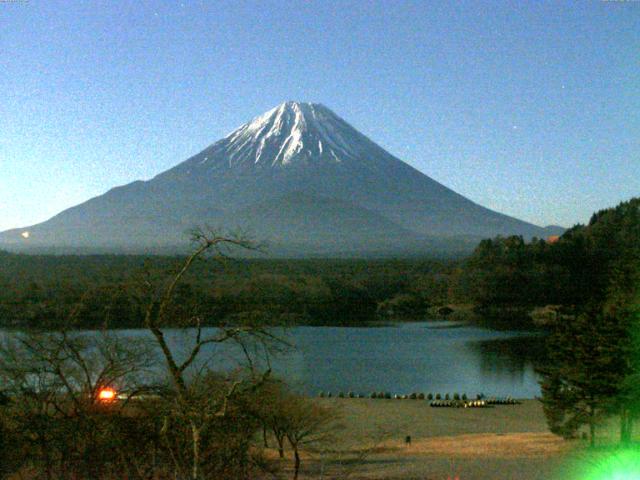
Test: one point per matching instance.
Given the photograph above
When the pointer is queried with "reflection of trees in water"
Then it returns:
(510, 357)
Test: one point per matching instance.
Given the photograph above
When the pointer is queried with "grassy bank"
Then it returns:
(502, 442)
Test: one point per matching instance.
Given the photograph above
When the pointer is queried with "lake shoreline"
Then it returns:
(404, 357)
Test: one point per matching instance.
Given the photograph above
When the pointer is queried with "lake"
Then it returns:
(429, 357)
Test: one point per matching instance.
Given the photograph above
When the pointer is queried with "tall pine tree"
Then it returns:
(595, 359)
(584, 374)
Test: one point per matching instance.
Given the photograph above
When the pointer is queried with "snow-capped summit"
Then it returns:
(297, 176)
(292, 132)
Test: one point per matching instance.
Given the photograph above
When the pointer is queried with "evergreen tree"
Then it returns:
(627, 402)
(587, 367)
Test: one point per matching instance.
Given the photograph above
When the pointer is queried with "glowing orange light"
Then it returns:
(107, 395)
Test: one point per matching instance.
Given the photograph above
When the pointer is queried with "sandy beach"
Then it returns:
(500, 442)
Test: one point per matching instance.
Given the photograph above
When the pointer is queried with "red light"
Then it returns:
(107, 395)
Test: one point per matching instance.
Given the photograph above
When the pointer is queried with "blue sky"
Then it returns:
(529, 108)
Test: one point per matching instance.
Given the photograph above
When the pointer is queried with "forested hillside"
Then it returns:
(506, 281)
(507, 277)
(43, 290)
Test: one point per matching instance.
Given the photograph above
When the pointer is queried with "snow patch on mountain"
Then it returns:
(289, 133)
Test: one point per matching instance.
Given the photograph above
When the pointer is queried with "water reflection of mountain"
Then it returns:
(511, 358)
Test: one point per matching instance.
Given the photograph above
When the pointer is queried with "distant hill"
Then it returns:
(300, 178)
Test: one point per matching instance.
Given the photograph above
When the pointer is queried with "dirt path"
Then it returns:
(481, 445)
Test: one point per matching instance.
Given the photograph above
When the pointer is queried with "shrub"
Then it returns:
(438, 396)
(421, 396)
(403, 304)
(446, 397)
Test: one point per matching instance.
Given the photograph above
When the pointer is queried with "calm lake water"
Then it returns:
(415, 357)
(399, 358)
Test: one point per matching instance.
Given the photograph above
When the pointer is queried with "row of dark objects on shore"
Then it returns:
(459, 404)
(474, 403)
(456, 400)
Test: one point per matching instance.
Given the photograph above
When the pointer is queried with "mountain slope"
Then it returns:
(296, 169)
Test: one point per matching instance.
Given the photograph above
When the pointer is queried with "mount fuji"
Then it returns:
(298, 177)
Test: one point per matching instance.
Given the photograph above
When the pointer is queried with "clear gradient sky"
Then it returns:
(529, 108)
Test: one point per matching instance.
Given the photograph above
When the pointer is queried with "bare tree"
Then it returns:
(53, 381)
(269, 406)
(199, 403)
(300, 421)
(308, 424)
(195, 426)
